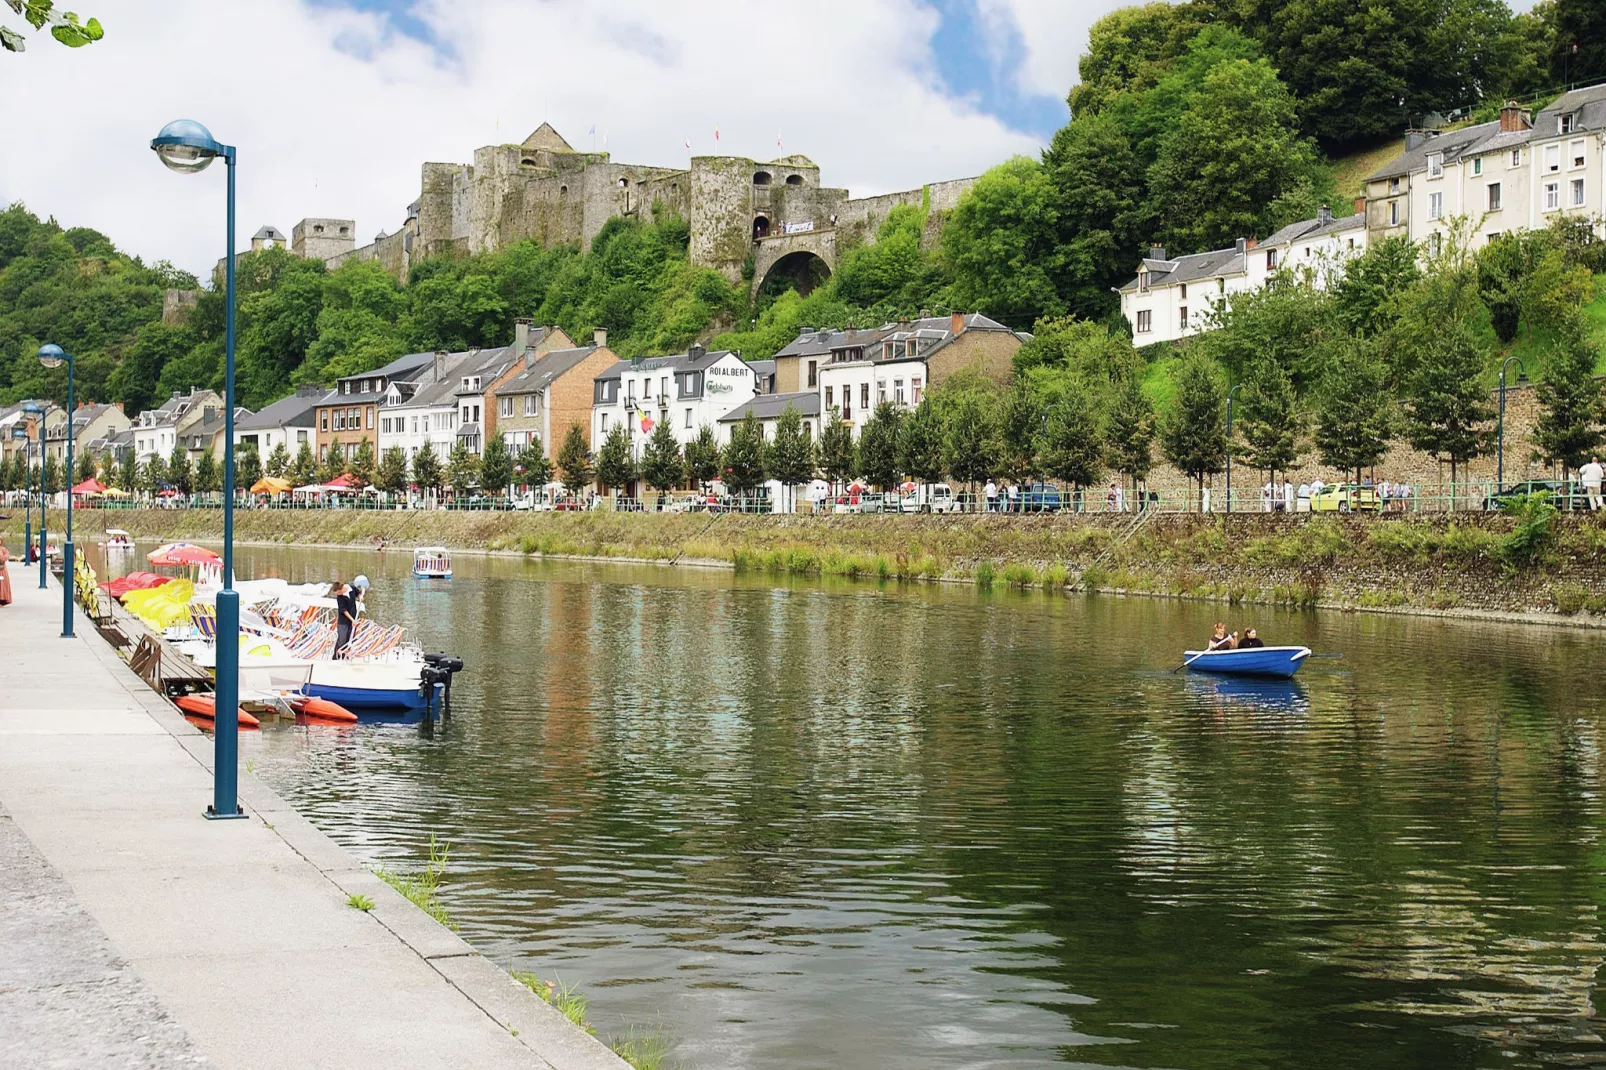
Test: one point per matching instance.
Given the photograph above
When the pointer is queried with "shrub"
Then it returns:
(984, 575)
(1531, 539)
(1569, 597)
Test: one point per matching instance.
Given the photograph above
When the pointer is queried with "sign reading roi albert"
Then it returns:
(725, 388)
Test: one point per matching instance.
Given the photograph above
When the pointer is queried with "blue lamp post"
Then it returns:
(39, 420)
(53, 356)
(1231, 394)
(187, 147)
(1500, 464)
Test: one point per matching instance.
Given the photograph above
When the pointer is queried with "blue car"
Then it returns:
(1041, 498)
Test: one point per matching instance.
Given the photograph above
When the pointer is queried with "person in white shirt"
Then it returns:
(991, 493)
(1265, 497)
(1591, 474)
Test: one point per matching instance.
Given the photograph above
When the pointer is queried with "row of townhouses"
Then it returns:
(1519, 172)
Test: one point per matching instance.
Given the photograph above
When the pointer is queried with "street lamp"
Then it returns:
(1500, 463)
(38, 413)
(53, 356)
(187, 147)
(1231, 394)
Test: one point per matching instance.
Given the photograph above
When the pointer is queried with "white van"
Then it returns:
(929, 498)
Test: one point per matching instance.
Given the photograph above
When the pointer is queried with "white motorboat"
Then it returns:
(117, 540)
(432, 563)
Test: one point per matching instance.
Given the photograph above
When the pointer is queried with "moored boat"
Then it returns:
(432, 563)
(117, 539)
(1280, 661)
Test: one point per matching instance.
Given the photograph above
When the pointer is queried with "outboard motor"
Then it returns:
(439, 670)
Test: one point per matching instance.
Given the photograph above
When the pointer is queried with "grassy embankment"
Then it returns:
(1468, 562)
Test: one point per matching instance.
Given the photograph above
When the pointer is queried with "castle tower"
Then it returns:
(323, 239)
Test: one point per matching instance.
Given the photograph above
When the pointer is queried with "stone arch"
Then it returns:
(802, 269)
(761, 178)
(761, 227)
(794, 180)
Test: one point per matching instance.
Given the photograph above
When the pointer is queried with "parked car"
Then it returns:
(1345, 498)
(1564, 494)
(1040, 498)
(871, 502)
(536, 501)
(470, 501)
(929, 498)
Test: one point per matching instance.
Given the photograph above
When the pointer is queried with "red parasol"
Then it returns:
(90, 486)
(182, 553)
(344, 481)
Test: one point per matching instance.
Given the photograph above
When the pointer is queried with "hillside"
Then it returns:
(1351, 169)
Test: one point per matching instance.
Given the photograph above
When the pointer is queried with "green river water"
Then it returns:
(799, 824)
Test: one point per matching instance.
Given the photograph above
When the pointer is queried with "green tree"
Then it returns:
(615, 465)
(920, 442)
(1236, 151)
(85, 465)
(878, 446)
(1130, 433)
(363, 462)
(64, 25)
(1354, 411)
(971, 449)
(1020, 422)
(391, 476)
(1269, 418)
(152, 475)
(334, 462)
(1446, 403)
(1073, 441)
(278, 461)
(206, 473)
(304, 469)
(179, 474)
(496, 465)
(1192, 434)
(427, 468)
(1097, 183)
(791, 459)
(1364, 298)
(1579, 42)
(661, 464)
(838, 458)
(247, 468)
(532, 467)
(999, 245)
(1568, 432)
(744, 456)
(574, 461)
(462, 469)
(128, 474)
(702, 457)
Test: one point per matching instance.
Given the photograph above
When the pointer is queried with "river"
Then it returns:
(800, 824)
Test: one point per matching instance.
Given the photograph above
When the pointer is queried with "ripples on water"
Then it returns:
(802, 825)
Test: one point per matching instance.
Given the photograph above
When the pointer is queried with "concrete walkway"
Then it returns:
(135, 933)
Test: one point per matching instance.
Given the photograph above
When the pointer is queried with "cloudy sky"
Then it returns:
(333, 104)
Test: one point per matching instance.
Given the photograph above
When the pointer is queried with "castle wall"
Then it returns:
(721, 213)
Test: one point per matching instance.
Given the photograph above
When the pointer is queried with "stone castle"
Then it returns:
(774, 213)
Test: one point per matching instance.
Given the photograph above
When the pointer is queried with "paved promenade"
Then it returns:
(134, 933)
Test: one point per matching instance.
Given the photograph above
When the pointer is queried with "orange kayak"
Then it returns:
(205, 707)
(321, 709)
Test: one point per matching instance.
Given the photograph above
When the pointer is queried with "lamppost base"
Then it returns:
(213, 815)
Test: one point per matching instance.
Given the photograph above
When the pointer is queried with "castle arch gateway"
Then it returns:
(807, 259)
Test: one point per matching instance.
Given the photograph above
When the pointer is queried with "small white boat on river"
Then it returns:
(117, 541)
(432, 563)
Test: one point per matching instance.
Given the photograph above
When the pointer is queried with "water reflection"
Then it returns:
(807, 825)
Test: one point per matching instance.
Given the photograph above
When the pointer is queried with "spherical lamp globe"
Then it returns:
(51, 355)
(185, 146)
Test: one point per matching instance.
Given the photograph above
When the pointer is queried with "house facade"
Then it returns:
(349, 414)
(210, 434)
(91, 423)
(288, 422)
(425, 414)
(767, 409)
(551, 394)
(158, 430)
(13, 416)
(687, 390)
(899, 362)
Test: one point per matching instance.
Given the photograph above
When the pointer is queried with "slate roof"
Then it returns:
(293, 411)
(544, 369)
(1590, 103)
(770, 406)
(679, 362)
(1310, 229)
(1193, 267)
(442, 391)
(1453, 143)
(402, 369)
(489, 365)
(273, 233)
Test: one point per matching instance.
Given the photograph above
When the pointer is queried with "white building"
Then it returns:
(157, 430)
(289, 422)
(687, 390)
(1174, 298)
(767, 409)
(424, 410)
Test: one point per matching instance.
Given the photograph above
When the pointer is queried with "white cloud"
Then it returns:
(333, 113)
(1054, 34)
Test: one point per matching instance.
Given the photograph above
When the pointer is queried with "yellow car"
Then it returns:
(1345, 498)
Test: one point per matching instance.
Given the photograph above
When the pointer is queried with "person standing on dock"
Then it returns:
(345, 616)
(1590, 474)
(5, 577)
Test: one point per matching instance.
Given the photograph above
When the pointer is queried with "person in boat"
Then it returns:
(345, 616)
(1250, 639)
(1220, 640)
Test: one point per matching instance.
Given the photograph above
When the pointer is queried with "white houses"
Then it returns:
(428, 413)
(687, 391)
(767, 409)
(157, 430)
(289, 422)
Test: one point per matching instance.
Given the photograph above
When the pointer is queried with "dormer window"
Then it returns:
(1394, 185)
(1435, 165)
(1568, 123)
(1143, 282)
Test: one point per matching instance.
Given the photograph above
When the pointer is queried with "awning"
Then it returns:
(271, 485)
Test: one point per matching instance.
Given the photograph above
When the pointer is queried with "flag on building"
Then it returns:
(716, 133)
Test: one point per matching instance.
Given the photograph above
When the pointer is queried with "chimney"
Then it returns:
(1252, 243)
(440, 364)
(1514, 118)
(1360, 205)
(1417, 138)
(1242, 245)
(697, 351)
(1324, 214)
(1156, 252)
(521, 335)
(599, 337)
(956, 323)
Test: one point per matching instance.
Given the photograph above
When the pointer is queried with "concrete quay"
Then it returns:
(135, 933)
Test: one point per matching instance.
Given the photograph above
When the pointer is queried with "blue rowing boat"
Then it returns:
(1280, 661)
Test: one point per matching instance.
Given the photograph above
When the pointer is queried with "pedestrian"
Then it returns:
(1109, 499)
(1304, 498)
(1265, 496)
(5, 576)
(1288, 495)
(1120, 497)
(1591, 474)
(990, 491)
(1012, 494)
(345, 616)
